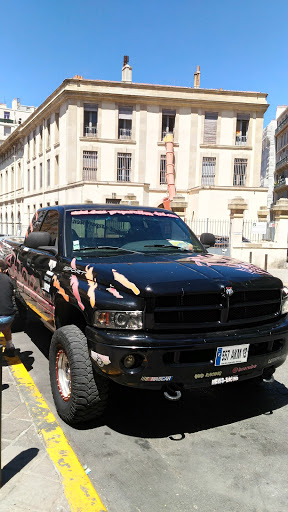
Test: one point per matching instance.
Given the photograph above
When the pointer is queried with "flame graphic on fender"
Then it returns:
(59, 288)
(75, 286)
(123, 280)
(92, 285)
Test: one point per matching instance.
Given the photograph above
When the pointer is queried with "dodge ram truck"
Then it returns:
(132, 296)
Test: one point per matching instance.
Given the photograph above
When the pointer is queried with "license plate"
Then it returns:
(230, 355)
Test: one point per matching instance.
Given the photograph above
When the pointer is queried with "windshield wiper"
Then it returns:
(105, 247)
(171, 247)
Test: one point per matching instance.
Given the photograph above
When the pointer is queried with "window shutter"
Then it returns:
(210, 128)
(125, 112)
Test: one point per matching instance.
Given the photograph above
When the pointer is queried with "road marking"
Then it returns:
(78, 489)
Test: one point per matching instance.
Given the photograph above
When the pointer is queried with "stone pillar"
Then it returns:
(263, 214)
(237, 207)
(280, 210)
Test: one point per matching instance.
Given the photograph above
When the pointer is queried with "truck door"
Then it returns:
(40, 266)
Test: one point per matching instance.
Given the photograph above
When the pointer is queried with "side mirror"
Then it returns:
(207, 239)
(40, 240)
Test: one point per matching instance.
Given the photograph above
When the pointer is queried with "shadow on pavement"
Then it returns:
(17, 464)
(25, 358)
(39, 334)
(149, 414)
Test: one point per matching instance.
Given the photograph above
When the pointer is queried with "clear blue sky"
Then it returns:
(239, 45)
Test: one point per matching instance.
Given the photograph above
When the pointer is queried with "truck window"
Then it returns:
(50, 225)
(36, 221)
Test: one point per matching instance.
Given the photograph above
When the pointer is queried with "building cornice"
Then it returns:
(146, 94)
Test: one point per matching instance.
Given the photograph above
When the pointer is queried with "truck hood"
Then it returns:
(154, 274)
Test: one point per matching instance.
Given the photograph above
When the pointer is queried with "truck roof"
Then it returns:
(102, 207)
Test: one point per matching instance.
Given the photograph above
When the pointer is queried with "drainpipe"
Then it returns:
(170, 175)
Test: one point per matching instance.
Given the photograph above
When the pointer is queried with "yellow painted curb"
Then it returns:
(79, 491)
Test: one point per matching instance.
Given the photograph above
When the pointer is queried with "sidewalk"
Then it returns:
(30, 481)
(40, 471)
(282, 273)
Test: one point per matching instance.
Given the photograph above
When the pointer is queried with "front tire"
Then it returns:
(79, 394)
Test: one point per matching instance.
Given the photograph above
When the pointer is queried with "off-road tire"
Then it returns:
(89, 392)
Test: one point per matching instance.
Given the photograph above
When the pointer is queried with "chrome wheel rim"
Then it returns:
(63, 375)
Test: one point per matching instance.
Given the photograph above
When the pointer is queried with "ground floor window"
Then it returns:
(90, 161)
(124, 166)
(208, 171)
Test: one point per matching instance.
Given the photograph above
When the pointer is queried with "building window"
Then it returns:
(242, 129)
(56, 170)
(240, 167)
(208, 171)
(210, 127)
(168, 122)
(28, 147)
(40, 138)
(112, 200)
(12, 179)
(41, 176)
(48, 132)
(34, 178)
(6, 115)
(48, 173)
(125, 123)
(7, 131)
(56, 127)
(90, 120)
(124, 166)
(28, 180)
(34, 143)
(19, 176)
(90, 160)
(163, 179)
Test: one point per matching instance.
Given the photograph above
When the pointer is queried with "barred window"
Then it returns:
(208, 171)
(90, 160)
(240, 167)
(163, 179)
(124, 166)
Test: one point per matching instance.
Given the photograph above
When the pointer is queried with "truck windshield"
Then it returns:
(97, 232)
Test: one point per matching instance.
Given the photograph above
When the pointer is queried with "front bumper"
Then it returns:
(186, 359)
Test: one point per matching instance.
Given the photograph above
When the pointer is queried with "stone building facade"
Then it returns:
(99, 141)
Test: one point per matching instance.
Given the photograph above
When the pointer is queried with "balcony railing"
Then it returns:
(241, 140)
(283, 182)
(282, 163)
(2, 120)
(90, 131)
(125, 133)
(281, 125)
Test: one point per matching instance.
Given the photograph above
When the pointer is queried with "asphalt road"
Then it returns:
(220, 450)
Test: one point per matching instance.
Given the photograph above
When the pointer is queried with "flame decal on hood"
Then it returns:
(75, 286)
(114, 292)
(59, 288)
(92, 285)
(125, 282)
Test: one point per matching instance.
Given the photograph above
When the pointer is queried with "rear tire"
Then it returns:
(79, 394)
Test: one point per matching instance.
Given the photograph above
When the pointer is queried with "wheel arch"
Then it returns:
(69, 314)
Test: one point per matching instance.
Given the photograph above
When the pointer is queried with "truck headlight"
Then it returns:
(284, 306)
(119, 319)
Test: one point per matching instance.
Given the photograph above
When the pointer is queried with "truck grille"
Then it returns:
(213, 310)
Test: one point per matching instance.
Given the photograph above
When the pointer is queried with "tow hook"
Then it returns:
(172, 393)
(268, 374)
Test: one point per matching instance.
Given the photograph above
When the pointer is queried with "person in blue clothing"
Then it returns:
(7, 308)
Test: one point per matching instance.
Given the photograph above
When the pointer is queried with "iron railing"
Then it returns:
(241, 140)
(90, 131)
(125, 133)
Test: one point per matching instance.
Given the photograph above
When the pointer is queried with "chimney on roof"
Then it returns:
(126, 71)
(197, 78)
(78, 77)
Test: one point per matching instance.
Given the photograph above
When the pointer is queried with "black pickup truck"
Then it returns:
(133, 296)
